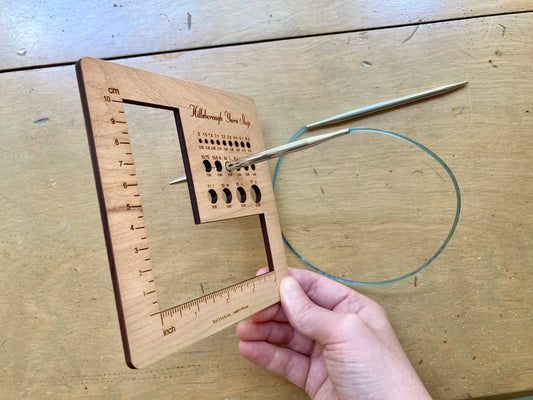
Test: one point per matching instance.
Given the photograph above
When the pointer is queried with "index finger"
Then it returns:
(271, 313)
(328, 293)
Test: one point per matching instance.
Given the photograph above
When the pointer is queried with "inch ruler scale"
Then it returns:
(150, 333)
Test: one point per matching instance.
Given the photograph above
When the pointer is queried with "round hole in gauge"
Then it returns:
(224, 143)
(241, 194)
(252, 167)
(255, 192)
(246, 168)
(212, 141)
(226, 195)
(242, 144)
(218, 165)
(199, 140)
(207, 166)
(230, 143)
(218, 142)
(212, 196)
(248, 144)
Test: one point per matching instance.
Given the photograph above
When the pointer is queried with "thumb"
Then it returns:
(304, 315)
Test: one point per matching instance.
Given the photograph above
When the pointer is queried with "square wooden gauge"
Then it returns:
(214, 126)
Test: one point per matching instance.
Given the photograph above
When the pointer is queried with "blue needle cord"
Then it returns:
(424, 265)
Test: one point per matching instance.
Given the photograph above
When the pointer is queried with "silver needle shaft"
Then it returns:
(283, 150)
(386, 104)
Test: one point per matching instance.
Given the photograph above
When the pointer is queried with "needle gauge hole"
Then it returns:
(212, 195)
(255, 192)
(226, 194)
(241, 194)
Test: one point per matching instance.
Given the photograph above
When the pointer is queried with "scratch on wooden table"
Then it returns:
(488, 33)
(461, 112)
(504, 29)
(166, 56)
(412, 33)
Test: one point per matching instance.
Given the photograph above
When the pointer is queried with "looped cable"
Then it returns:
(435, 255)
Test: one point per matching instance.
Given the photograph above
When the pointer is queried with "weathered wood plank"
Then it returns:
(465, 322)
(50, 31)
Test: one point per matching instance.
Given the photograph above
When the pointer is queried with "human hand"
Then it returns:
(336, 343)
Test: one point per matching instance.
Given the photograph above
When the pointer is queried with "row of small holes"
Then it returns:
(224, 143)
(255, 192)
(218, 166)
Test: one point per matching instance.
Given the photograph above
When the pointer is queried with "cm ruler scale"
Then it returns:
(213, 127)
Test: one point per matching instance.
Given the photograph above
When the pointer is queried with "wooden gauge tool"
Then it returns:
(149, 332)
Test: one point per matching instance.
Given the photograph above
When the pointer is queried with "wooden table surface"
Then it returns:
(365, 207)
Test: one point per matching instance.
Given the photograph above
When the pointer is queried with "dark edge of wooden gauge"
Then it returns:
(103, 212)
(266, 241)
(187, 166)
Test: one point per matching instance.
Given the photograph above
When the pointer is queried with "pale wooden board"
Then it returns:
(466, 325)
(49, 32)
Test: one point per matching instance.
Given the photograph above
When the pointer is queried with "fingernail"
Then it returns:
(290, 287)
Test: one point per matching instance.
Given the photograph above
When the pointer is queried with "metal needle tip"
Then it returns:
(179, 180)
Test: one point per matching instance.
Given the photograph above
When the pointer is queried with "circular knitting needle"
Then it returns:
(283, 150)
(313, 141)
(276, 152)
